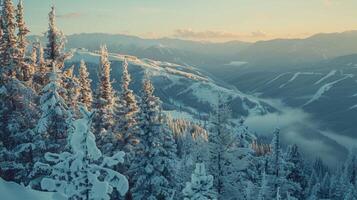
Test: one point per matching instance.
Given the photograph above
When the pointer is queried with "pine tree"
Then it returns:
(296, 170)
(22, 30)
(325, 187)
(350, 167)
(85, 96)
(105, 98)
(18, 116)
(320, 168)
(26, 70)
(280, 169)
(34, 56)
(153, 169)
(83, 173)
(315, 192)
(56, 41)
(126, 114)
(351, 193)
(71, 86)
(40, 77)
(53, 123)
(9, 53)
(201, 185)
(221, 144)
(276, 156)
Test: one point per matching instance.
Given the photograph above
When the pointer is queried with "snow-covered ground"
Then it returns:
(14, 191)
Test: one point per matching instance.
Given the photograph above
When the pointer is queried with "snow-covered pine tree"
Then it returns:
(296, 170)
(351, 193)
(9, 53)
(85, 96)
(350, 167)
(276, 155)
(315, 192)
(320, 168)
(84, 173)
(221, 155)
(33, 56)
(53, 123)
(279, 169)
(71, 86)
(153, 169)
(22, 30)
(325, 187)
(244, 162)
(1, 38)
(265, 190)
(18, 116)
(126, 129)
(26, 70)
(201, 185)
(105, 100)
(40, 77)
(54, 50)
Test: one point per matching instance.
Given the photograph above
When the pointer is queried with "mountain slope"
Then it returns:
(181, 88)
(327, 90)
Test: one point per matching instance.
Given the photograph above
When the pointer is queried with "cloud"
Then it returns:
(258, 34)
(211, 34)
(298, 127)
(189, 33)
(70, 15)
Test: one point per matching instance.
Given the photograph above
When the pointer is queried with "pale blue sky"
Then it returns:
(216, 20)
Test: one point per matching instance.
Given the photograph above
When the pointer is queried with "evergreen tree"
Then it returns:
(53, 123)
(200, 187)
(85, 96)
(18, 116)
(279, 170)
(325, 187)
(84, 173)
(153, 169)
(41, 71)
(26, 70)
(56, 41)
(296, 172)
(350, 167)
(276, 155)
(320, 168)
(221, 148)
(126, 113)
(9, 53)
(315, 192)
(351, 193)
(265, 190)
(71, 86)
(105, 99)
(22, 30)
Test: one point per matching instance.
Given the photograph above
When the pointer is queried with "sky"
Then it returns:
(204, 20)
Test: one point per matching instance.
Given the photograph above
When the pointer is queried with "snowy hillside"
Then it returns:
(14, 191)
(185, 91)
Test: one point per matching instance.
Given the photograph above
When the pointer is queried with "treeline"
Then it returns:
(56, 134)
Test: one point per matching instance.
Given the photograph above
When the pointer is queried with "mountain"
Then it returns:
(296, 52)
(184, 52)
(184, 90)
(327, 90)
(271, 54)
